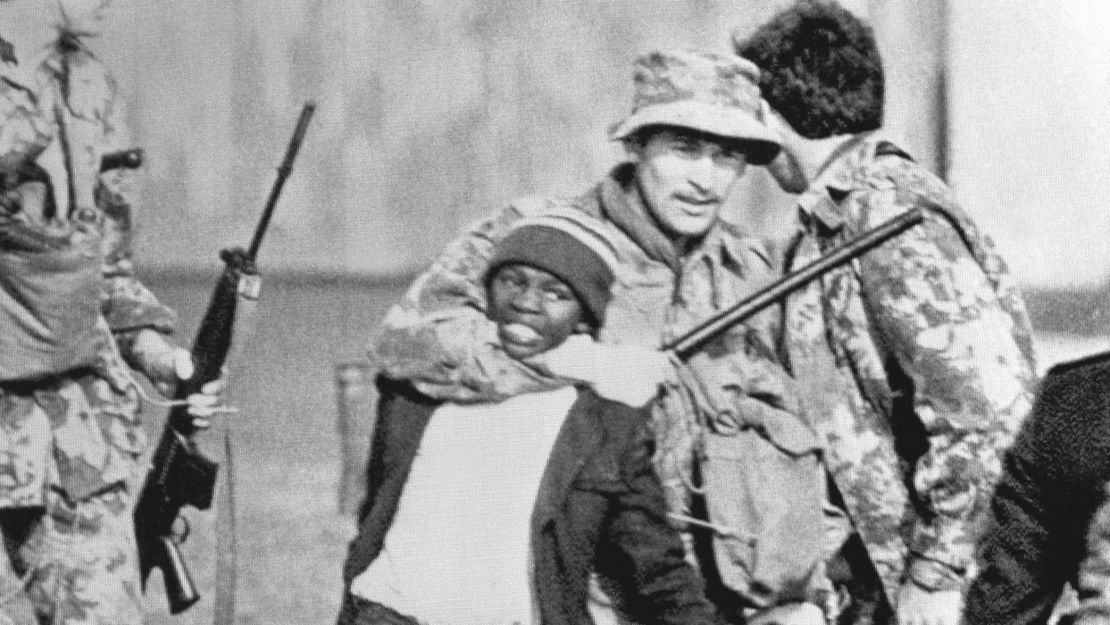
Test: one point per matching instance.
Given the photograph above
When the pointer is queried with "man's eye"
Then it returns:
(731, 157)
(732, 154)
(685, 147)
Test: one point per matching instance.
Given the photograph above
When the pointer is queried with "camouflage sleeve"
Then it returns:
(438, 335)
(128, 304)
(1093, 580)
(936, 313)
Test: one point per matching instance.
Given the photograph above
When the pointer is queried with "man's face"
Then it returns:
(685, 177)
(534, 310)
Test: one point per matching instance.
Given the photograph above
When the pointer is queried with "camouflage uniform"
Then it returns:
(916, 360)
(71, 444)
(733, 396)
(731, 399)
(438, 335)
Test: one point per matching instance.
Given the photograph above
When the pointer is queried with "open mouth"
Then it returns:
(516, 332)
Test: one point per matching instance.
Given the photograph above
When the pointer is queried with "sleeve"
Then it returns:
(438, 336)
(1022, 568)
(645, 554)
(1093, 580)
(938, 316)
(127, 303)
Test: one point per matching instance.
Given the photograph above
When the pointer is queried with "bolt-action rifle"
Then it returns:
(180, 474)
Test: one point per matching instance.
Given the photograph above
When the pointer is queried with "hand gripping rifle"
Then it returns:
(180, 474)
(688, 344)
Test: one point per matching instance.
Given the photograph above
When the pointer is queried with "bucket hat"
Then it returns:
(703, 91)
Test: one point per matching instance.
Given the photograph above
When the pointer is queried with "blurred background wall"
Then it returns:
(432, 113)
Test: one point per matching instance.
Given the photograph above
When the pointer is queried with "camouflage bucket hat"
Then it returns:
(703, 91)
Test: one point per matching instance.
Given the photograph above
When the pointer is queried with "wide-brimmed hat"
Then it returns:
(708, 92)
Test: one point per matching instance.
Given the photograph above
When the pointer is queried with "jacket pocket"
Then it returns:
(766, 506)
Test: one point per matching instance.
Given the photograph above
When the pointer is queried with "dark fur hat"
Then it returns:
(821, 69)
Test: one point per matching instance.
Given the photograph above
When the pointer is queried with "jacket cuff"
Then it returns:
(125, 315)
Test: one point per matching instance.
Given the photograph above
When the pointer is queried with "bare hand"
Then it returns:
(918, 606)
(161, 361)
(208, 402)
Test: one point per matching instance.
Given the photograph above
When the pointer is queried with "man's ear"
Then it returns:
(633, 148)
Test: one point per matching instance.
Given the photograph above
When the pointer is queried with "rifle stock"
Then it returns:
(180, 474)
(181, 592)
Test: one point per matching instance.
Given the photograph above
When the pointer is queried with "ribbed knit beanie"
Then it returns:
(572, 246)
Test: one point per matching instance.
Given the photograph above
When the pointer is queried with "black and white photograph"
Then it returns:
(555, 312)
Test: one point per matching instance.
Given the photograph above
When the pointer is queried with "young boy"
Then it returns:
(499, 513)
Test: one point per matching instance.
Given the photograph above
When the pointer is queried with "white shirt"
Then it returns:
(458, 551)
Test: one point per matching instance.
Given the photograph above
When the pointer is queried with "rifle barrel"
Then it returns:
(685, 345)
(283, 172)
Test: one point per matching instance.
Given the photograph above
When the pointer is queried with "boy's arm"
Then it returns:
(438, 336)
(647, 552)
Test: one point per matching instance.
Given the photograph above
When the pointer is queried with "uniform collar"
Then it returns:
(727, 244)
(835, 179)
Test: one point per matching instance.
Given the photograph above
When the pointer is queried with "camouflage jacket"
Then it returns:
(438, 336)
(916, 360)
(78, 433)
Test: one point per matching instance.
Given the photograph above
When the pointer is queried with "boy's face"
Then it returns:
(685, 177)
(534, 310)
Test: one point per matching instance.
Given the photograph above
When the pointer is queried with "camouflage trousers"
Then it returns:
(79, 562)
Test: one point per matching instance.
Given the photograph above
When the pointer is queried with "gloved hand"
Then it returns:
(629, 374)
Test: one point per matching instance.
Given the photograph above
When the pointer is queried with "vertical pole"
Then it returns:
(912, 38)
(354, 394)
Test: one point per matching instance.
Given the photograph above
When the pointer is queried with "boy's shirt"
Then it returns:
(458, 547)
(598, 504)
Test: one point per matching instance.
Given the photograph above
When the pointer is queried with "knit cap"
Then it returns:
(571, 246)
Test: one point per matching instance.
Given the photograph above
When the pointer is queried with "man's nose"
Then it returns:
(703, 170)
